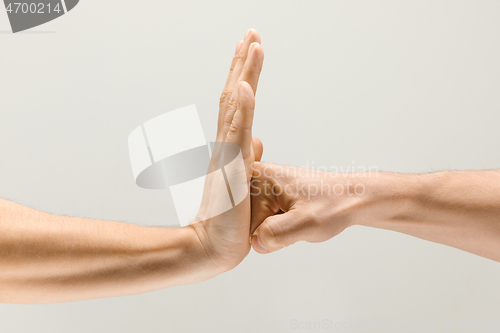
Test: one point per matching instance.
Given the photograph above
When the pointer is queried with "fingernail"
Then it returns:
(257, 245)
(251, 47)
(247, 34)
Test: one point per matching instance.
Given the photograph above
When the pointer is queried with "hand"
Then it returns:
(108, 258)
(291, 204)
(225, 238)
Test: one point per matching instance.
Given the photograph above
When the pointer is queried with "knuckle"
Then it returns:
(238, 57)
(233, 129)
(231, 101)
(224, 97)
(274, 234)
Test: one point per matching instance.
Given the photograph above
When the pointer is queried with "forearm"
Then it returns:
(47, 258)
(455, 208)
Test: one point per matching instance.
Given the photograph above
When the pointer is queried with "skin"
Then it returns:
(456, 208)
(226, 239)
(45, 258)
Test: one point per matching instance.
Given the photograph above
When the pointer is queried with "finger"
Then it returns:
(264, 203)
(282, 230)
(264, 192)
(251, 36)
(249, 72)
(235, 59)
(253, 65)
(258, 149)
(226, 92)
(230, 92)
(240, 131)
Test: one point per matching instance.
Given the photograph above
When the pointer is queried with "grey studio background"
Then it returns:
(407, 86)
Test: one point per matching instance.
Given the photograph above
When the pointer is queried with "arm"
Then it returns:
(456, 208)
(50, 258)
(46, 258)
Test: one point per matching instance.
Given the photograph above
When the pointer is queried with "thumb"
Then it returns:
(282, 230)
(258, 148)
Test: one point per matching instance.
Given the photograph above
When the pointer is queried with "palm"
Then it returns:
(225, 237)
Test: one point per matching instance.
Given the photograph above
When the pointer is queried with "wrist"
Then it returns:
(209, 253)
(196, 252)
(176, 254)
